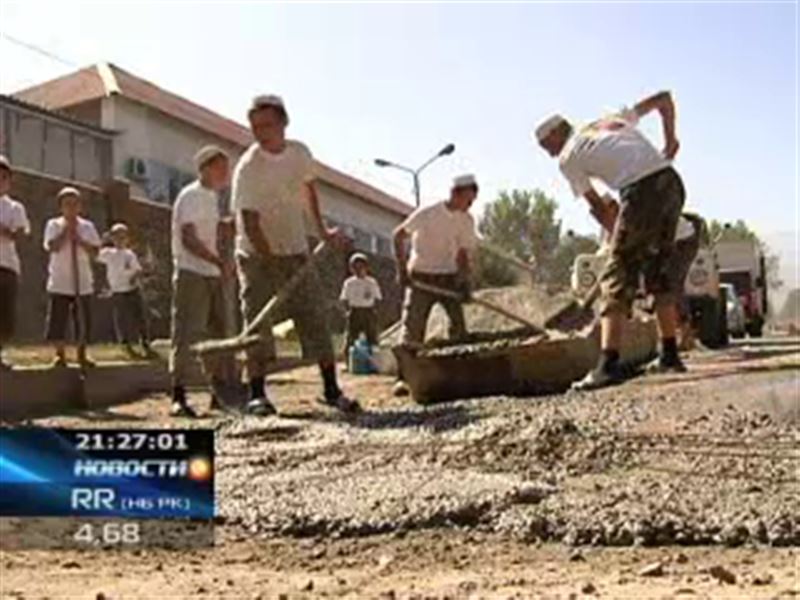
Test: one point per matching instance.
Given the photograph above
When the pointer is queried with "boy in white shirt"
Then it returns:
(14, 227)
(360, 294)
(72, 243)
(199, 271)
(442, 237)
(123, 271)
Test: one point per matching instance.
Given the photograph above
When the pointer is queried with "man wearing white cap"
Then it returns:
(198, 305)
(14, 227)
(122, 272)
(72, 242)
(615, 152)
(442, 237)
(273, 194)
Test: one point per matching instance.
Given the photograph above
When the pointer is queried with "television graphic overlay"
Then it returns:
(67, 488)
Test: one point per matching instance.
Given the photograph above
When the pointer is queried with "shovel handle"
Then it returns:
(433, 289)
(283, 294)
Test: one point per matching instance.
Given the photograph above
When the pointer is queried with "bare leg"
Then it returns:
(612, 327)
(667, 316)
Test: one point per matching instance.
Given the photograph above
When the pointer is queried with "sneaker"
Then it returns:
(342, 403)
(599, 378)
(400, 389)
(666, 365)
(181, 409)
(260, 407)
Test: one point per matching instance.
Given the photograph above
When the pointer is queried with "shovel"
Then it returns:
(575, 314)
(248, 337)
(432, 289)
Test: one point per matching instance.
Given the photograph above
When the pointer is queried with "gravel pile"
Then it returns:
(634, 465)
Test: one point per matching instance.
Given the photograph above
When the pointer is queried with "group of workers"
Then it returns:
(273, 192)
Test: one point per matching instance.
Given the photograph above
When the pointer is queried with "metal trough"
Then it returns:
(522, 367)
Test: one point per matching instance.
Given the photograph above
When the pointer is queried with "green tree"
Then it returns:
(524, 223)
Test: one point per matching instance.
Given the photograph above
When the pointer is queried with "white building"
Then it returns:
(158, 132)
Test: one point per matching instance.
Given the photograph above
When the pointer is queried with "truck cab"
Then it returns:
(743, 265)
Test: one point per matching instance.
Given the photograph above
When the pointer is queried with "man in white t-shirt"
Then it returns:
(274, 194)
(14, 227)
(122, 272)
(615, 152)
(360, 295)
(72, 243)
(442, 237)
(199, 271)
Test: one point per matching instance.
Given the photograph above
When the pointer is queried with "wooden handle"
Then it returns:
(283, 294)
(432, 289)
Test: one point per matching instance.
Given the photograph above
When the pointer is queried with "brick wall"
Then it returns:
(150, 232)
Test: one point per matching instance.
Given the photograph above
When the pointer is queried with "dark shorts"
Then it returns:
(361, 320)
(61, 308)
(643, 242)
(130, 320)
(9, 282)
(418, 304)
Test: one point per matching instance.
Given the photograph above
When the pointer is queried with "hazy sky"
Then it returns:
(401, 80)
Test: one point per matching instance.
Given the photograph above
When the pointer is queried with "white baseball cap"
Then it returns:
(547, 126)
(207, 153)
(466, 180)
(267, 100)
(68, 191)
(119, 228)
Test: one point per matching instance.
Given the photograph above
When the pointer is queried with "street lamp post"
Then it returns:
(449, 149)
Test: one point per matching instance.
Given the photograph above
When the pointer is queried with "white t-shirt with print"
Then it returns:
(121, 265)
(361, 292)
(14, 217)
(437, 235)
(199, 206)
(273, 185)
(612, 150)
(60, 278)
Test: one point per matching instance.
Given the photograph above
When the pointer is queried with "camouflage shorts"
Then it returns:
(643, 243)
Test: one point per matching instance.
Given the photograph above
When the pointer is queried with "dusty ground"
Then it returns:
(492, 498)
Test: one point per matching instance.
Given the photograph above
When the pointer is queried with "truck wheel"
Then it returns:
(706, 316)
(756, 328)
(722, 314)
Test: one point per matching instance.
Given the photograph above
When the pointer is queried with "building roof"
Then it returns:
(55, 115)
(105, 79)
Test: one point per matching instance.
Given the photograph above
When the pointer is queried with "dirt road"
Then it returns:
(682, 486)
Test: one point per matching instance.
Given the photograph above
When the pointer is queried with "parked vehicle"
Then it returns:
(737, 322)
(743, 265)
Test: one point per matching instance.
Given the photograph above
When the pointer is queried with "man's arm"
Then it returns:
(53, 241)
(400, 239)
(196, 246)
(663, 103)
(599, 209)
(15, 235)
(327, 234)
(91, 243)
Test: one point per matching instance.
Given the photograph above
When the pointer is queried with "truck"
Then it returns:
(705, 294)
(743, 265)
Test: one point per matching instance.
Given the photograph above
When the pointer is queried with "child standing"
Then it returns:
(123, 272)
(360, 294)
(72, 242)
(14, 226)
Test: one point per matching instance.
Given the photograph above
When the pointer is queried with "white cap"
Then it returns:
(267, 100)
(4, 162)
(205, 154)
(119, 228)
(547, 126)
(354, 258)
(466, 180)
(68, 191)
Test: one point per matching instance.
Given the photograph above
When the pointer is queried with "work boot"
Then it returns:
(601, 377)
(341, 402)
(400, 389)
(666, 364)
(260, 407)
